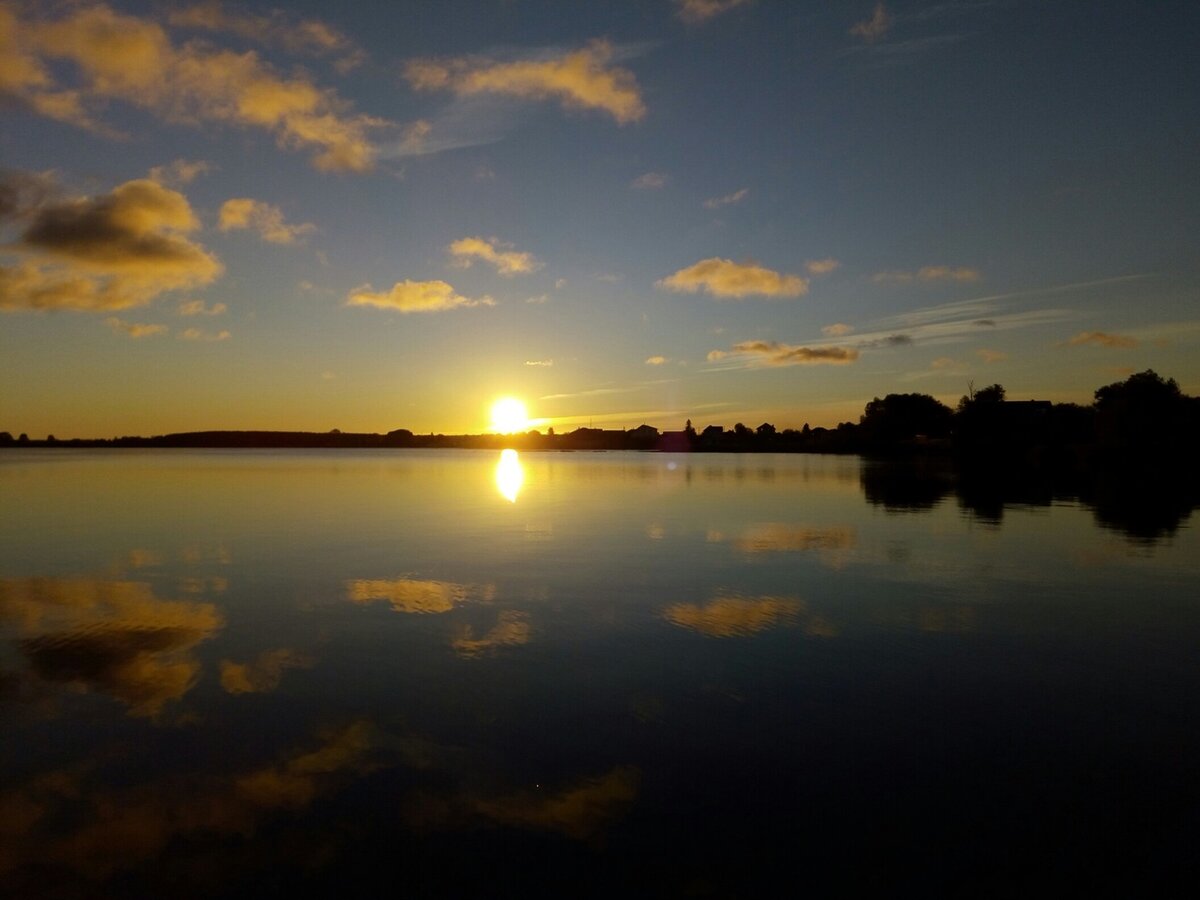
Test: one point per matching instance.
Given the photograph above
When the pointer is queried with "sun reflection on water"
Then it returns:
(509, 475)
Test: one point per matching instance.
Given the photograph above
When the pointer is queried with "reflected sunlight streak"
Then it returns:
(509, 475)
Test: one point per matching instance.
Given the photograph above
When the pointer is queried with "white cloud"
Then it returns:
(198, 334)
(198, 308)
(651, 181)
(837, 329)
(821, 266)
(727, 200)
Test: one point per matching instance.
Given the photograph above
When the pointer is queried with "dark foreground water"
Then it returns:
(453, 675)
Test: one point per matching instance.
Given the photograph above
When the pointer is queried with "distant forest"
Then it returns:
(1145, 417)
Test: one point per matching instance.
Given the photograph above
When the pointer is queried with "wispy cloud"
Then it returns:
(651, 181)
(496, 253)
(580, 79)
(991, 356)
(696, 12)
(821, 266)
(773, 353)
(875, 26)
(541, 363)
(415, 297)
(180, 172)
(656, 360)
(1102, 339)
(837, 329)
(727, 200)
(199, 334)
(242, 213)
(107, 252)
(723, 278)
(134, 329)
(115, 56)
(929, 273)
(198, 308)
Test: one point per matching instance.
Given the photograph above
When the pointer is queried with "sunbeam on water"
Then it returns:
(509, 475)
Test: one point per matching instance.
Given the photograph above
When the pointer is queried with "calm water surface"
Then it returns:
(453, 674)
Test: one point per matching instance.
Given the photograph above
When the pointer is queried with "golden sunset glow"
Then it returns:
(509, 416)
(509, 475)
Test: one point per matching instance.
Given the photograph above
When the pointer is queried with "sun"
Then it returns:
(509, 416)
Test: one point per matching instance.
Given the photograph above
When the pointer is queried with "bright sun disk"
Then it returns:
(509, 416)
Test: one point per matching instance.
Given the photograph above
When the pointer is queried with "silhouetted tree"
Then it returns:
(900, 418)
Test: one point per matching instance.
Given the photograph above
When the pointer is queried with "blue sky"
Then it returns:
(305, 217)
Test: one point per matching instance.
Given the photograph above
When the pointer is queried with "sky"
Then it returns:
(385, 215)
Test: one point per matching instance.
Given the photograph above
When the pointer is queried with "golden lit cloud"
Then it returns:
(991, 356)
(264, 673)
(415, 297)
(511, 629)
(697, 11)
(507, 261)
(945, 363)
(408, 595)
(134, 329)
(929, 273)
(872, 29)
(578, 811)
(111, 636)
(655, 360)
(1102, 339)
(115, 56)
(243, 213)
(540, 363)
(821, 266)
(779, 537)
(581, 79)
(773, 353)
(309, 37)
(724, 278)
(107, 252)
(651, 181)
(198, 308)
(735, 616)
(837, 329)
(198, 334)
(727, 200)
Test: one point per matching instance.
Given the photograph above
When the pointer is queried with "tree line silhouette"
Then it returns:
(1145, 416)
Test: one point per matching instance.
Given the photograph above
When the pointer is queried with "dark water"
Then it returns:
(251, 673)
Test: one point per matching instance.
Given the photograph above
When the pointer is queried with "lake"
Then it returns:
(462, 673)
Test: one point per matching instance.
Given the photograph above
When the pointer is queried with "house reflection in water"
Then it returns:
(509, 475)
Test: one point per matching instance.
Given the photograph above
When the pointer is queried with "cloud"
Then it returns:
(408, 595)
(874, 28)
(263, 674)
(821, 266)
(134, 329)
(727, 200)
(180, 172)
(929, 273)
(773, 353)
(107, 252)
(734, 616)
(243, 213)
(725, 278)
(539, 299)
(1102, 339)
(115, 56)
(507, 262)
(307, 37)
(651, 181)
(581, 79)
(511, 630)
(655, 360)
(111, 636)
(991, 356)
(198, 308)
(197, 334)
(695, 12)
(415, 296)
(837, 329)
(943, 363)
(541, 363)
